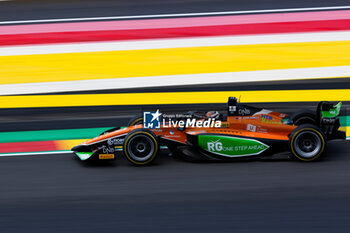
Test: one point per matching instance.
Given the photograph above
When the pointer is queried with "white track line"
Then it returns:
(176, 80)
(174, 43)
(34, 153)
(176, 15)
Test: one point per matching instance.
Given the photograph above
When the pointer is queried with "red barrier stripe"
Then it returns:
(14, 147)
(113, 35)
(175, 22)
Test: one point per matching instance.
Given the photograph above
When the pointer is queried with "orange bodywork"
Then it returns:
(265, 126)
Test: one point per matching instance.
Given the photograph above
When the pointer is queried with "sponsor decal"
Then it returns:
(243, 111)
(106, 156)
(106, 150)
(172, 134)
(261, 130)
(266, 117)
(231, 146)
(251, 128)
(329, 120)
(273, 122)
(157, 130)
(251, 118)
(269, 119)
(118, 148)
(232, 109)
(225, 125)
(255, 128)
(115, 141)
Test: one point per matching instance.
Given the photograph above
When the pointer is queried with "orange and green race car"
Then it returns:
(244, 131)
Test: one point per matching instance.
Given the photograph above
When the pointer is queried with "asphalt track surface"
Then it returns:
(58, 193)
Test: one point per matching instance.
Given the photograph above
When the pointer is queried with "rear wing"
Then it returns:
(328, 118)
(329, 110)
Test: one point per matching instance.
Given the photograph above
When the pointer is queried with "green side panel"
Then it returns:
(50, 135)
(84, 155)
(344, 120)
(230, 146)
(333, 112)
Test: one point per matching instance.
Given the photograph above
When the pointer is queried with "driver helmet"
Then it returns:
(213, 114)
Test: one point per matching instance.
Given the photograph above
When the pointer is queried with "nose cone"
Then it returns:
(76, 148)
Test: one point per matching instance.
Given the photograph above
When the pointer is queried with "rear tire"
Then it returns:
(307, 143)
(140, 147)
(304, 117)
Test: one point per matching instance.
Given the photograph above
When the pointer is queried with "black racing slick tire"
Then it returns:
(141, 147)
(307, 143)
(136, 120)
(304, 117)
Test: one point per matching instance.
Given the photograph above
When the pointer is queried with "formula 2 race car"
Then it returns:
(244, 131)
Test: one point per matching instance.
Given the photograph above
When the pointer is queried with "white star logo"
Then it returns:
(156, 115)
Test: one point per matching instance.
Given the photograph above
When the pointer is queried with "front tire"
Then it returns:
(141, 147)
(136, 120)
(307, 143)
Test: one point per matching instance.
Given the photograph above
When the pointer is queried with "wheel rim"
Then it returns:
(140, 148)
(307, 144)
